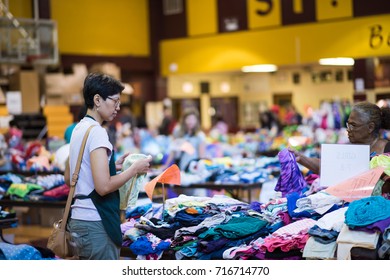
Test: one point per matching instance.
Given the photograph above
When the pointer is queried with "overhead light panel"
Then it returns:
(338, 61)
(259, 68)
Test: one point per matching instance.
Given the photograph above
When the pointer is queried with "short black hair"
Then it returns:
(102, 84)
(82, 113)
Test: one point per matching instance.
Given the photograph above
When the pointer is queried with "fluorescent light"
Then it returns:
(260, 68)
(342, 61)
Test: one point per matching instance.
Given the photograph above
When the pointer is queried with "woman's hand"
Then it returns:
(142, 166)
(119, 162)
(298, 155)
(312, 164)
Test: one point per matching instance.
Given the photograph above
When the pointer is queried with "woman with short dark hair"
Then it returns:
(94, 223)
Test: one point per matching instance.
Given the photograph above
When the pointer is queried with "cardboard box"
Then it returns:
(27, 82)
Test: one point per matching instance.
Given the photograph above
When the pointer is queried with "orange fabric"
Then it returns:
(190, 210)
(41, 161)
(171, 175)
(358, 186)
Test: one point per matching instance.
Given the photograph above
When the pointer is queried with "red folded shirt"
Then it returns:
(58, 192)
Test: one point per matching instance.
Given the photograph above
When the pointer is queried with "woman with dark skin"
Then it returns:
(363, 127)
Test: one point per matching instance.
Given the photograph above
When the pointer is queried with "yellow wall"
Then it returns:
(308, 93)
(99, 27)
(296, 44)
(272, 18)
(259, 88)
(202, 17)
(325, 9)
(21, 8)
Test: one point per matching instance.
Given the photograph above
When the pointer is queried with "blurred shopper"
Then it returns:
(292, 116)
(189, 140)
(168, 122)
(220, 126)
(269, 119)
(189, 144)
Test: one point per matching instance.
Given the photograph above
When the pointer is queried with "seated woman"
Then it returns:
(363, 127)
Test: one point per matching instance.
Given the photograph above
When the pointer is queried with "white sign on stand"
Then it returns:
(340, 162)
(13, 101)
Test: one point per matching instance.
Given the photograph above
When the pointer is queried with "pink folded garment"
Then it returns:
(58, 192)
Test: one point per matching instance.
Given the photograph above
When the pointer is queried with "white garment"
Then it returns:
(333, 220)
(319, 202)
(84, 209)
(348, 239)
(316, 250)
(296, 227)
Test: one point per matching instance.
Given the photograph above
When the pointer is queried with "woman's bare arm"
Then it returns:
(312, 164)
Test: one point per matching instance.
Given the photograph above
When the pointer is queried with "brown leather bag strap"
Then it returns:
(74, 179)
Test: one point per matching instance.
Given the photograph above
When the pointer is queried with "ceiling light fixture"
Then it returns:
(259, 68)
(339, 61)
